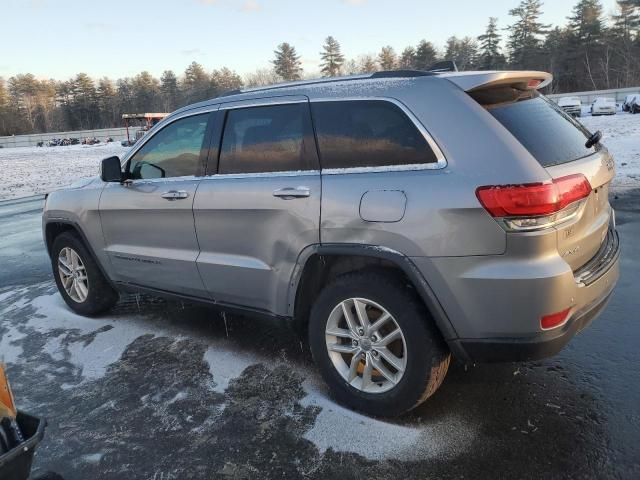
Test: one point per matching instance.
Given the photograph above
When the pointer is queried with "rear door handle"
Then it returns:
(289, 193)
(175, 195)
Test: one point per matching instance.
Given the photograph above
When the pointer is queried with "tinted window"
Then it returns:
(172, 152)
(550, 135)
(367, 133)
(267, 139)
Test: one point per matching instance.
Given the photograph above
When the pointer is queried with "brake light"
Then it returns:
(533, 198)
(554, 320)
(534, 83)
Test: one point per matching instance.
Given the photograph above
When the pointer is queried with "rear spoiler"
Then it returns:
(521, 80)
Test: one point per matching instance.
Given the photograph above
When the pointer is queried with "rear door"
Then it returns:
(558, 143)
(147, 221)
(258, 206)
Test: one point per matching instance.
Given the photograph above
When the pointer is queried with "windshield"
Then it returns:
(541, 126)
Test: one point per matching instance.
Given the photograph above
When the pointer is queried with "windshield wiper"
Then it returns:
(594, 139)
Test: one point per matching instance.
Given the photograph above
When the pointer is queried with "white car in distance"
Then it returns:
(603, 106)
(571, 105)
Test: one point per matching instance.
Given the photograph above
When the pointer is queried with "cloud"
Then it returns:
(191, 51)
(251, 6)
(208, 2)
(355, 3)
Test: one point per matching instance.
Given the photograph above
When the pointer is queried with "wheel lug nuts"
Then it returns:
(354, 343)
(374, 353)
(360, 331)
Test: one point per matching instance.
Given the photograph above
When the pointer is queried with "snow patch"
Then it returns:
(344, 430)
(35, 170)
(226, 365)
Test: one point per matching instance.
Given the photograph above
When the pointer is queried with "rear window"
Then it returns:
(549, 134)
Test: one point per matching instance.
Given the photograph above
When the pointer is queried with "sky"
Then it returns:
(118, 38)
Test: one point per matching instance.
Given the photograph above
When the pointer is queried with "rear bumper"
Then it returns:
(531, 348)
(497, 312)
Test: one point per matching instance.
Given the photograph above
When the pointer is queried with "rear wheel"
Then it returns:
(375, 344)
(79, 279)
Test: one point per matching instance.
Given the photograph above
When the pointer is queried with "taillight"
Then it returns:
(535, 206)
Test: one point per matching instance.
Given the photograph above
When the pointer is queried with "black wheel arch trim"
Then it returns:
(400, 260)
(76, 227)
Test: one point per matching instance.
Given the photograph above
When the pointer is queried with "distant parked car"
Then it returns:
(571, 105)
(634, 104)
(603, 106)
(626, 105)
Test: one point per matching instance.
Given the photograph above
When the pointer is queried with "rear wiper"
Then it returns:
(594, 139)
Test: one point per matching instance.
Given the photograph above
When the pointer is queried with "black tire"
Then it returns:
(427, 355)
(101, 295)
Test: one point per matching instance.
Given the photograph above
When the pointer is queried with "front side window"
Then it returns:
(368, 133)
(172, 152)
(273, 138)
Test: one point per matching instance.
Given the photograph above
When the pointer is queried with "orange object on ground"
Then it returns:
(7, 404)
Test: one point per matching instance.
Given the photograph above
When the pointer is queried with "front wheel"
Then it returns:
(375, 344)
(78, 277)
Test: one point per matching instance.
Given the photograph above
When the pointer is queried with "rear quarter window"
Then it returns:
(367, 133)
(548, 133)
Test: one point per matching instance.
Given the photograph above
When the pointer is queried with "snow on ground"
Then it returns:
(35, 170)
(621, 135)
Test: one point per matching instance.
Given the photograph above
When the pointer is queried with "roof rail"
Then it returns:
(401, 74)
(319, 81)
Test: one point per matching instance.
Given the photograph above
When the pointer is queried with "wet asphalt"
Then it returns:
(156, 412)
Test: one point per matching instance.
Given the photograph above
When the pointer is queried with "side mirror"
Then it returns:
(110, 170)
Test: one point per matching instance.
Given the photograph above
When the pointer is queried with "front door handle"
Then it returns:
(175, 195)
(289, 193)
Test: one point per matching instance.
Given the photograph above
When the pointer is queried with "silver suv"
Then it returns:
(398, 218)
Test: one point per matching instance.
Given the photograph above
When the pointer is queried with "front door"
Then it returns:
(147, 221)
(261, 207)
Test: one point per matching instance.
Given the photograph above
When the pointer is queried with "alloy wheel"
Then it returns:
(73, 275)
(366, 345)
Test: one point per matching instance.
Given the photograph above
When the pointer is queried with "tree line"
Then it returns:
(592, 51)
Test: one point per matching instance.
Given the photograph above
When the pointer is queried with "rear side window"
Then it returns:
(273, 138)
(550, 135)
(367, 133)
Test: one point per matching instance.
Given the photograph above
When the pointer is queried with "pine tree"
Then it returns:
(426, 55)
(146, 90)
(586, 21)
(627, 21)
(287, 62)
(586, 45)
(196, 83)
(169, 91)
(463, 51)
(387, 58)
(85, 105)
(408, 59)
(332, 58)
(107, 103)
(490, 56)
(367, 64)
(225, 80)
(525, 39)
(5, 114)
